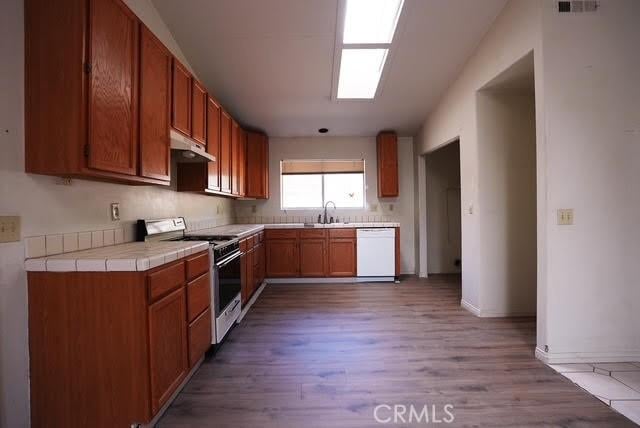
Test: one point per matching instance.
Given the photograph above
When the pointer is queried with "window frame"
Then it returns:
(364, 187)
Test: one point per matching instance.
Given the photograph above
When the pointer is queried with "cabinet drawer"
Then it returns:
(244, 243)
(165, 280)
(313, 233)
(199, 337)
(281, 234)
(342, 233)
(198, 265)
(198, 296)
(261, 236)
(253, 241)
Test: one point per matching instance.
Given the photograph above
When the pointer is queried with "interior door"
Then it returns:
(113, 91)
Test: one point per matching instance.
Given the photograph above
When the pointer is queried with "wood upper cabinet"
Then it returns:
(182, 99)
(213, 143)
(155, 107)
(167, 346)
(342, 257)
(235, 158)
(387, 151)
(225, 152)
(282, 258)
(313, 257)
(257, 175)
(242, 172)
(198, 112)
(113, 88)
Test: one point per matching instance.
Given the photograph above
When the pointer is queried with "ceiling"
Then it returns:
(270, 62)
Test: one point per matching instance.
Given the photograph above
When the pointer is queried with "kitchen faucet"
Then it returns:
(325, 210)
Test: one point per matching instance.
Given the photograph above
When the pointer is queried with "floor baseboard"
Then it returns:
(586, 357)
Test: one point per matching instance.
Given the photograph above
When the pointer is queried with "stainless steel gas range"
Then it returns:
(225, 268)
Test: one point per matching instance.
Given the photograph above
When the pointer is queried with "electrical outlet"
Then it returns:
(254, 209)
(115, 211)
(391, 207)
(9, 229)
(565, 216)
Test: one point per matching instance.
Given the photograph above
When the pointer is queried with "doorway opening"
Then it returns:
(507, 198)
(443, 209)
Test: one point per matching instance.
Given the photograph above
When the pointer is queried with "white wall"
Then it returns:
(443, 209)
(507, 176)
(587, 158)
(46, 206)
(592, 126)
(342, 148)
(514, 34)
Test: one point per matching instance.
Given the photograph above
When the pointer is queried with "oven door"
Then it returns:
(227, 281)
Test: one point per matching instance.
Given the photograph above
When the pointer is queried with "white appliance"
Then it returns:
(377, 254)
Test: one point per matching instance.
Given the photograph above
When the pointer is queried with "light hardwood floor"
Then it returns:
(327, 355)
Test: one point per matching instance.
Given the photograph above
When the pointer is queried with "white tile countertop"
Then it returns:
(242, 230)
(134, 256)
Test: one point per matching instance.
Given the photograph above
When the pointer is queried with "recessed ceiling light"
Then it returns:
(323, 130)
(360, 71)
(371, 21)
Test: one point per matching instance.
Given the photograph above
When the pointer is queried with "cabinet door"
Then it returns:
(225, 152)
(213, 143)
(342, 257)
(242, 162)
(167, 346)
(257, 166)
(199, 112)
(113, 91)
(387, 150)
(282, 258)
(181, 104)
(155, 107)
(312, 257)
(235, 158)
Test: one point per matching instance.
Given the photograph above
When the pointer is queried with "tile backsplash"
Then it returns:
(314, 219)
(56, 243)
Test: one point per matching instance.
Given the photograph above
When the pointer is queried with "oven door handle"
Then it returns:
(222, 263)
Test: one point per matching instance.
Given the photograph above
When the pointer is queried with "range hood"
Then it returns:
(189, 150)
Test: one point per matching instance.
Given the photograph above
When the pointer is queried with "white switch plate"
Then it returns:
(9, 229)
(565, 216)
(115, 211)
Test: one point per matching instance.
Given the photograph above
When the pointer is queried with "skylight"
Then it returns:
(371, 21)
(360, 71)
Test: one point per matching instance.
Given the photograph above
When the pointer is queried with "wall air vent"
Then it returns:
(578, 6)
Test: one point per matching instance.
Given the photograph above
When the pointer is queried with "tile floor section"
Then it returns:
(616, 384)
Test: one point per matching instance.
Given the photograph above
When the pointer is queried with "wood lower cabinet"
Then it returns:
(251, 265)
(282, 258)
(108, 349)
(313, 257)
(387, 152)
(342, 257)
(167, 346)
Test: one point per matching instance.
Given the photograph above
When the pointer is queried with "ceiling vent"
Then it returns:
(578, 6)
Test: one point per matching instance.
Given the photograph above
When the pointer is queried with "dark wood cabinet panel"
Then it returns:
(198, 296)
(199, 337)
(257, 185)
(387, 151)
(242, 162)
(213, 143)
(113, 88)
(235, 158)
(155, 107)
(198, 112)
(167, 346)
(165, 279)
(225, 152)
(342, 257)
(282, 258)
(313, 257)
(181, 101)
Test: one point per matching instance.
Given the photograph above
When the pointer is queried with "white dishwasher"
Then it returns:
(377, 254)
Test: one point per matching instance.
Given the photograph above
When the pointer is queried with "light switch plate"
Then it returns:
(565, 216)
(9, 229)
